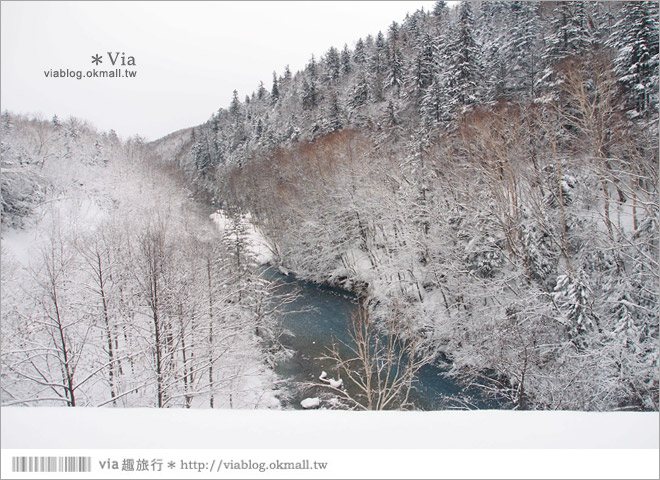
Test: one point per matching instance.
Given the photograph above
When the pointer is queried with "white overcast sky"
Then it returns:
(189, 56)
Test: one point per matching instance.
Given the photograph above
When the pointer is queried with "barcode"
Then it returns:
(51, 464)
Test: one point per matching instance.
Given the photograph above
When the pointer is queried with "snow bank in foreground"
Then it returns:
(179, 428)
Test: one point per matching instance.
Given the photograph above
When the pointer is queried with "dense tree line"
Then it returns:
(424, 73)
(488, 173)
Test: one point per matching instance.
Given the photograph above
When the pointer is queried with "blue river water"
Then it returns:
(320, 314)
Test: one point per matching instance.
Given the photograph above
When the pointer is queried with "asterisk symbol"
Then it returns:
(171, 465)
(96, 59)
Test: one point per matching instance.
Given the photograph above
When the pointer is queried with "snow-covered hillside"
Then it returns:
(117, 289)
(486, 177)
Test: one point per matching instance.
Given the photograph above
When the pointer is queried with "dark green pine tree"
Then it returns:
(393, 33)
(413, 25)
(423, 68)
(572, 35)
(258, 130)
(521, 50)
(309, 95)
(334, 121)
(391, 116)
(201, 156)
(286, 79)
(377, 68)
(391, 123)
(261, 91)
(235, 105)
(359, 54)
(636, 62)
(359, 95)
(433, 108)
(493, 35)
(275, 91)
(346, 65)
(603, 18)
(395, 63)
(332, 65)
(312, 69)
(440, 9)
(395, 69)
(466, 71)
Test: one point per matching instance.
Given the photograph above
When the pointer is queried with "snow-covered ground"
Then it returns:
(202, 428)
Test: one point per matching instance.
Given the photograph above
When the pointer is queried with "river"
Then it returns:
(319, 314)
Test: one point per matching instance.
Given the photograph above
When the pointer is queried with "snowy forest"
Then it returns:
(116, 289)
(483, 177)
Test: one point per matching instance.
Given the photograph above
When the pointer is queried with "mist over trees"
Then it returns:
(484, 177)
(116, 290)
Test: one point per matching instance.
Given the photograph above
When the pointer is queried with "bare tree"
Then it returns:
(97, 255)
(380, 366)
(153, 262)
